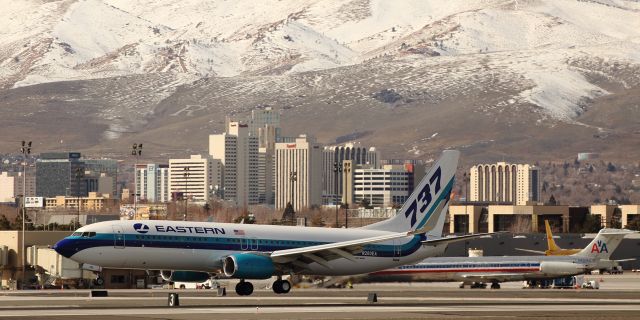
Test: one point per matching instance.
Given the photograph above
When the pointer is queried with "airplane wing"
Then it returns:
(323, 253)
(532, 251)
(489, 277)
(455, 239)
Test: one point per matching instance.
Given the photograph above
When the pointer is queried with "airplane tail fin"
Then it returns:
(426, 207)
(604, 243)
(551, 244)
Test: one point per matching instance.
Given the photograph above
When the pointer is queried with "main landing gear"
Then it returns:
(244, 288)
(281, 286)
(495, 285)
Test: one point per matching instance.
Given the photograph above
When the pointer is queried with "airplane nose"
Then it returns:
(65, 248)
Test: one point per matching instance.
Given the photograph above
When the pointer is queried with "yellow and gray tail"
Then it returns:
(551, 244)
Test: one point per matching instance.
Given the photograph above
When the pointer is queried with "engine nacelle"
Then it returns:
(248, 266)
(184, 276)
(561, 268)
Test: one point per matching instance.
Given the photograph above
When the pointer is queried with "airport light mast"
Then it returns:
(337, 167)
(136, 151)
(79, 175)
(186, 195)
(26, 151)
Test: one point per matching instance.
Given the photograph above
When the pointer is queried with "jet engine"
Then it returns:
(248, 266)
(184, 276)
(561, 268)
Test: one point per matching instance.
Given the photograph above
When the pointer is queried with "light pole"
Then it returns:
(347, 170)
(79, 175)
(293, 177)
(26, 151)
(136, 151)
(337, 167)
(186, 197)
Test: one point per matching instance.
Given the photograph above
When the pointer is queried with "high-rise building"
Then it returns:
(265, 124)
(237, 151)
(102, 170)
(191, 178)
(333, 192)
(299, 173)
(60, 173)
(152, 182)
(11, 185)
(384, 187)
(266, 176)
(504, 182)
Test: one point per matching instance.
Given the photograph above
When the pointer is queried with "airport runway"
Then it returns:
(619, 298)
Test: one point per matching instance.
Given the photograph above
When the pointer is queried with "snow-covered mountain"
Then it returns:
(555, 55)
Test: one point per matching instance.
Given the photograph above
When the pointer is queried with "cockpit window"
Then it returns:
(76, 234)
(88, 234)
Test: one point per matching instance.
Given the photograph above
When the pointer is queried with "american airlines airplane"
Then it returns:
(192, 251)
(476, 270)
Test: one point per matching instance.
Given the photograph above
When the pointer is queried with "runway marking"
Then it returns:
(315, 298)
(313, 309)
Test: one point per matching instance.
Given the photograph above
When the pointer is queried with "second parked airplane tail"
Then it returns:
(604, 243)
(551, 244)
(424, 210)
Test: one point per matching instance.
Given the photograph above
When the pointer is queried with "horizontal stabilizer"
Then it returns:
(531, 251)
(455, 239)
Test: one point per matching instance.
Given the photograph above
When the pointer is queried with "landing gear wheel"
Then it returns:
(244, 288)
(277, 286)
(495, 285)
(99, 281)
(285, 285)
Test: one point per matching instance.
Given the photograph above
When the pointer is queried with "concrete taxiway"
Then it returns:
(619, 298)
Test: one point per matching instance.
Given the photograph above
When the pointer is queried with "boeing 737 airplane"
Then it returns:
(192, 251)
(515, 268)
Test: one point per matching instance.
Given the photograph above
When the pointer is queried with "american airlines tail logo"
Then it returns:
(599, 247)
(141, 228)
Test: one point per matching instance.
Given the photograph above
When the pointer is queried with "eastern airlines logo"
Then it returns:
(599, 247)
(141, 228)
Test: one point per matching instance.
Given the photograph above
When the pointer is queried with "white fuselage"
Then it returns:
(486, 268)
(202, 246)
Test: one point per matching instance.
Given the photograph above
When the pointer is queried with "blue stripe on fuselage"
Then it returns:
(71, 245)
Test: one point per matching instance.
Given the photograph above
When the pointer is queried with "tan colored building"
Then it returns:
(629, 213)
(237, 149)
(359, 155)
(11, 185)
(94, 202)
(385, 187)
(299, 173)
(191, 177)
(606, 213)
(516, 218)
(504, 182)
(493, 218)
(466, 218)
